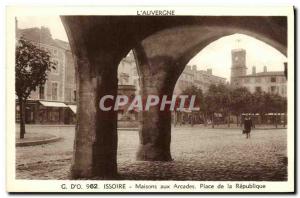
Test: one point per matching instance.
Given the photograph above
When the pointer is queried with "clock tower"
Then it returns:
(238, 68)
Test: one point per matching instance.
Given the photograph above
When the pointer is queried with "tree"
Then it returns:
(256, 103)
(211, 102)
(217, 100)
(240, 100)
(32, 65)
(192, 90)
(199, 101)
(276, 105)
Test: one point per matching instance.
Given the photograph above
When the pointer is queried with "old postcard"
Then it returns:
(150, 99)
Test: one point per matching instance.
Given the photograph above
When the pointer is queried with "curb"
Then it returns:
(38, 142)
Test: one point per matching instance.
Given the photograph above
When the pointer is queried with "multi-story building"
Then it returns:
(127, 75)
(55, 101)
(128, 84)
(127, 72)
(198, 78)
(270, 82)
(273, 82)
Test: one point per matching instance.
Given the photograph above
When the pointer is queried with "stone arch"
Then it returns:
(100, 42)
(161, 59)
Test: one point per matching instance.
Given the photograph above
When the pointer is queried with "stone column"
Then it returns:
(155, 132)
(156, 78)
(95, 146)
(96, 59)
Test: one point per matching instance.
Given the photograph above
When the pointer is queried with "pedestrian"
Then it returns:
(247, 127)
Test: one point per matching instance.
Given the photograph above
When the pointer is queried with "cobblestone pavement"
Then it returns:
(199, 154)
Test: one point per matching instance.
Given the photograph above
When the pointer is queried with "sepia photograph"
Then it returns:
(158, 95)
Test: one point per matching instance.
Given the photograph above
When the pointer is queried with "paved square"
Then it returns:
(199, 154)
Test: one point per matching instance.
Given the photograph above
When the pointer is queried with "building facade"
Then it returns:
(199, 78)
(128, 84)
(269, 82)
(55, 101)
(273, 82)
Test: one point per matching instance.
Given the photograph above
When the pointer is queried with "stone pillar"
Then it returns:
(155, 132)
(95, 146)
(96, 58)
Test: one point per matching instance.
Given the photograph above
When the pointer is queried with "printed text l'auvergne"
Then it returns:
(156, 12)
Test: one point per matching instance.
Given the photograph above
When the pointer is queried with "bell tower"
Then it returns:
(238, 68)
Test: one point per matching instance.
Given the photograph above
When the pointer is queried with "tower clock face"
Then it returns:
(236, 58)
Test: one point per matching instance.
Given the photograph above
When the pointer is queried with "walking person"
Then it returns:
(247, 126)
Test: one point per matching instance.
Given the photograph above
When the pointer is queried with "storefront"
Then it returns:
(47, 112)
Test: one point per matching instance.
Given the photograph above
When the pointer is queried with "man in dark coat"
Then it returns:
(247, 126)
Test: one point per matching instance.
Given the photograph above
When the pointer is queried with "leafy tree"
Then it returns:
(32, 65)
(199, 101)
(193, 90)
(240, 101)
(276, 104)
(217, 100)
(256, 104)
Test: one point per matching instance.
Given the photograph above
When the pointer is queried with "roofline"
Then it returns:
(18, 37)
(263, 75)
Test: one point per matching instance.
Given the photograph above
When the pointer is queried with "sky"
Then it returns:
(53, 23)
(216, 55)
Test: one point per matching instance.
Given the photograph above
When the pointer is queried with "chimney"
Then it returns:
(209, 71)
(194, 68)
(253, 70)
(265, 68)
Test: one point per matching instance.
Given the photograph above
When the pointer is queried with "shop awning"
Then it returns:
(53, 104)
(73, 108)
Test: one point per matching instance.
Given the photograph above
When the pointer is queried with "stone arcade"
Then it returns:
(162, 46)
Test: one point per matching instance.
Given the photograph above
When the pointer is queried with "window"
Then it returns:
(258, 80)
(273, 89)
(42, 92)
(258, 89)
(74, 95)
(273, 79)
(247, 80)
(57, 65)
(54, 90)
